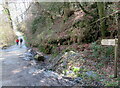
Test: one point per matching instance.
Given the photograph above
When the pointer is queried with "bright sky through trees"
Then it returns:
(1, 9)
(17, 8)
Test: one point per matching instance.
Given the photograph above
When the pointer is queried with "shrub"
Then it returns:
(37, 21)
(99, 50)
(45, 49)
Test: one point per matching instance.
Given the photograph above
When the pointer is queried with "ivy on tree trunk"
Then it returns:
(101, 12)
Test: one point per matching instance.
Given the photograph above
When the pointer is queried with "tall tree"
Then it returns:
(17, 19)
(82, 7)
(66, 9)
(7, 11)
(118, 8)
(101, 12)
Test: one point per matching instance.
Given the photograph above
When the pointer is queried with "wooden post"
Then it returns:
(113, 42)
(116, 56)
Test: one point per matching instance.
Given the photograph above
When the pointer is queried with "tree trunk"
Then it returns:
(5, 6)
(118, 8)
(24, 4)
(17, 21)
(101, 12)
(66, 9)
(84, 10)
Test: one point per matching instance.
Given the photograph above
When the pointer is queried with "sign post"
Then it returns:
(115, 62)
(113, 42)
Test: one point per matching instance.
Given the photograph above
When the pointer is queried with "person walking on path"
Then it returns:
(21, 40)
(17, 41)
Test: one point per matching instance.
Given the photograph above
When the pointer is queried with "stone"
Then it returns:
(4, 47)
(77, 80)
(29, 54)
(91, 74)
(33, 63)
(69, 54)
(47, 57)
(27, 58)
(39, 57)
(64, 64)
(51, 74)
(68, 78)
(31, 71)
(31, 51)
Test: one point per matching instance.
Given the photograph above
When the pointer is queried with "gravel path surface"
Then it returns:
(19, 72)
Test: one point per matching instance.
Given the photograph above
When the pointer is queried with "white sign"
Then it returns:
(108, 42)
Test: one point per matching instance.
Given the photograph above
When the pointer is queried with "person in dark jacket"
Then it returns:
(21, 41)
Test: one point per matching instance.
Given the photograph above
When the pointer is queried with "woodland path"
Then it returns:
(19, 72)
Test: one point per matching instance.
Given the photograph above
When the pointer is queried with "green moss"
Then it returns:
(76, 69)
